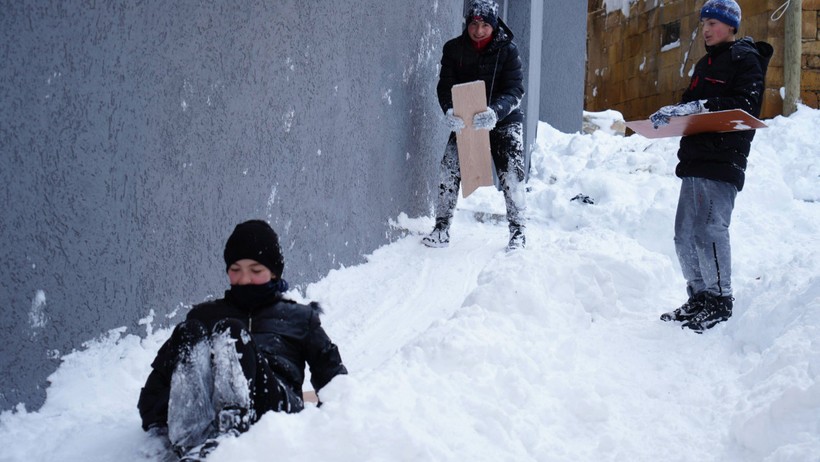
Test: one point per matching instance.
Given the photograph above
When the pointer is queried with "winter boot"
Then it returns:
(686, 311)
(715, 310)
(517, 239)
(440, 236)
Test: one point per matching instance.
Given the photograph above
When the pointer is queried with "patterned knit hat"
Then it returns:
(483, 10)
(725, 11)
(255, 240)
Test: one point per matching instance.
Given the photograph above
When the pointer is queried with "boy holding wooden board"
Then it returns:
(484, 51)
(712, 165)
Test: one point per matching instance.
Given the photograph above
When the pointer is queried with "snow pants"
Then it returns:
(218, 370)
(702, 235)
(507, 147)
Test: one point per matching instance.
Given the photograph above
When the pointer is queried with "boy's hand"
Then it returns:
(158, 446)
(454, 122)
(661, 116)
(485, 120)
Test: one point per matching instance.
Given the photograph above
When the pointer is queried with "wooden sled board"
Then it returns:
(474, 158)
(708, 122)
(310, 397)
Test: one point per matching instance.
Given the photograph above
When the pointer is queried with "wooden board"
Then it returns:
(474, 158)
(708, 122)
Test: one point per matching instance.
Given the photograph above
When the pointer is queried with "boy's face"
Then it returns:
(716, 32)
(248, 272)
(479, 30)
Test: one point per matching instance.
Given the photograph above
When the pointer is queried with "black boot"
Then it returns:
(440, 236)
(715, 310)
(686, 311)
(517, 238)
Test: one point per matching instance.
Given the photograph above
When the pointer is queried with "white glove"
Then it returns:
(454, 122)
(485, 120)
(661, 116)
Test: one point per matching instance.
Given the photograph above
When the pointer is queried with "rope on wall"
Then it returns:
(781, 10)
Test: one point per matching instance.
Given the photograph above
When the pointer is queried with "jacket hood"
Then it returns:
(748, 45)
(502, 27)
(762, 50)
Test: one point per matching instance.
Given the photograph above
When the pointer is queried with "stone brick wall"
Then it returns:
(635, 65)
(810, 77)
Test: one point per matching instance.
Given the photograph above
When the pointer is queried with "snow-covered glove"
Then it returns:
(454, 122)
(158, 443)
(661, 116)
(157, 430)
(485, 120)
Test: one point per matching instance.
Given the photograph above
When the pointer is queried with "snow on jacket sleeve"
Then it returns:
(508, 86)
(322, 354)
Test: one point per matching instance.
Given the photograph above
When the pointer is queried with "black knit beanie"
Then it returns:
(255, 240)
(485, 10)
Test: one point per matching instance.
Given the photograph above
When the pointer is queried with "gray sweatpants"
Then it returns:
(507, 148)
(702, 235)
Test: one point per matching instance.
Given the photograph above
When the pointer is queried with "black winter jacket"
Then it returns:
(498, 65)
(288, 334)
(730, 76)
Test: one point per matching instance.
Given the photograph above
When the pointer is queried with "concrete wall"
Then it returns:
(135, 135)
(550, 35)
(563, 63)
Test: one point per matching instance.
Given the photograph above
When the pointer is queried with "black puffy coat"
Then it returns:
(288, 334)
(730, 76)
(498, 65)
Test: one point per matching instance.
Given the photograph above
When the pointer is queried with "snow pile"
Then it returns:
(554, 353)
(610, 121)
(622, 5)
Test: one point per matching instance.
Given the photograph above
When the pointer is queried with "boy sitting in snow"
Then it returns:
(235, 358)
(712, 165)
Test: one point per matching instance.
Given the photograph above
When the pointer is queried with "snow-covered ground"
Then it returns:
(554, 353)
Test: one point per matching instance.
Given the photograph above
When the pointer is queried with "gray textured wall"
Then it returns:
(551, 37)
(563, 63)
(135, 134)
